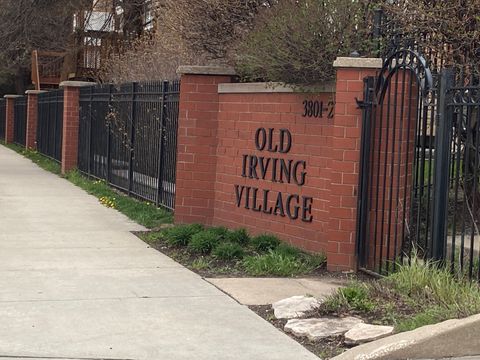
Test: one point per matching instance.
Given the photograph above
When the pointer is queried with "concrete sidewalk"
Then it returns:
(76, 284)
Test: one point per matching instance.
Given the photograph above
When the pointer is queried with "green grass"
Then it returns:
(239, 236)
(281, 264)
(179, 235)
(142, 212)
(265, 242)
(356, 296)
(426, 317)
(201, 264)
(204, 242)
(228, 251)
(418, 294)
(429, 283)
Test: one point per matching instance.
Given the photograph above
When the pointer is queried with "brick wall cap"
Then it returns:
(271, 87)
(76, 83)
(35, 92)
(205, 70)
(358, 63)
(12, 96)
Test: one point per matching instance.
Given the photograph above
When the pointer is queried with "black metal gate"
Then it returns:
(459, 189)
(397, 163)
(419, 187)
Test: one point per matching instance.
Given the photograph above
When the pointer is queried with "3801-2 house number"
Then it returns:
(317, 109)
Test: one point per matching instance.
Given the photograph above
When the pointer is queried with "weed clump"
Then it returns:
(182, 234)
(417, 294)
(239, 236)
(279, 264)
(354, 297)
(228, 251)
(204, 242)
(265, 242)
(221, 231)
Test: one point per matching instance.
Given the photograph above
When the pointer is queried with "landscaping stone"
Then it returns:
(319, 328)
(362, 333)
(294, 307)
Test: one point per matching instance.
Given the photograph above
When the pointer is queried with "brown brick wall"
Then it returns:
(70, 128)
(32, 113)
(197, 144)
(239, 117)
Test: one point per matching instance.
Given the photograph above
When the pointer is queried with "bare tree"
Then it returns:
(26, 25)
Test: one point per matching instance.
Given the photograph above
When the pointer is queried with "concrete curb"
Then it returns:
(451, 338)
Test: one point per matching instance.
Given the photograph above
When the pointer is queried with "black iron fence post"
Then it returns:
(162, 142)
(55, 121)
(363, 195)
(109, 137)
(132, 138)
(89, 136)
(442, 167)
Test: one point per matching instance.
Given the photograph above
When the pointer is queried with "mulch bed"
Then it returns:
(217, 268)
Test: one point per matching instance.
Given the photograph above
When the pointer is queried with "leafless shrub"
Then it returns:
(449, 31)
(193, 32)
(296, 41)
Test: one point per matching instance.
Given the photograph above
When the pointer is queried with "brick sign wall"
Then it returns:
(272, 164)
(273, 160)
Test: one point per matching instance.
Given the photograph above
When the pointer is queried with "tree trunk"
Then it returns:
(20, 81)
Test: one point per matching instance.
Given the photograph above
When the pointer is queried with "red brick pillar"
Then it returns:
(71, 104)
(197, 142)
(345, 161)
(9, 118)
(32, 114)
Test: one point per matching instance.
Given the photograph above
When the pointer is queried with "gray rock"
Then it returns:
(362, 333)
(315, 329)
(294, 307)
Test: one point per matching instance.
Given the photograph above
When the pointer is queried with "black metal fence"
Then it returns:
(20, 121)
(459, 190)
(397, 163)
(128, 137)
(50, 124)
(3, 115)
(419, 190)
(420, 170)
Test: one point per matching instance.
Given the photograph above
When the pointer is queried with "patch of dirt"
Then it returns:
(325, 348)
